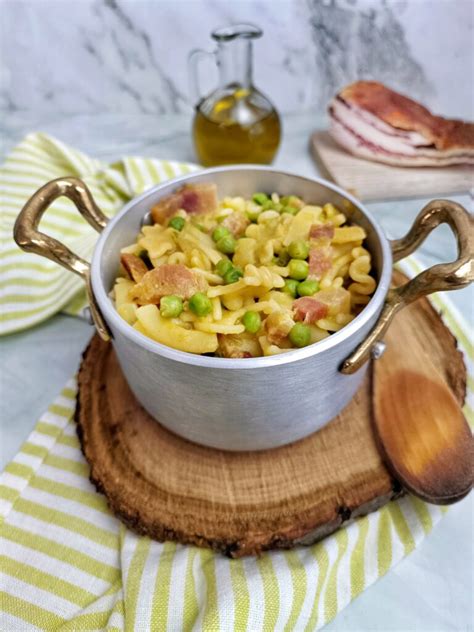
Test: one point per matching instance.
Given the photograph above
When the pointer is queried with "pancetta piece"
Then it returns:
(237, 223)
(134, 266)
(321, 231)
(167, 279)
(309, 310)
(195, 199)
(372, 121)
(320, 252)
(319, 261)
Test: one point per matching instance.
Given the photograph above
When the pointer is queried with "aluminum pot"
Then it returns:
(254, 403)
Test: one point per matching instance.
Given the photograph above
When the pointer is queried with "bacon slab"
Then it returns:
(373, 122)
(134, 266)
(167, 279)
(195, 199)
(309, 310)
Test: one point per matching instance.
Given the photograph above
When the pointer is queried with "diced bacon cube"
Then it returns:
(134, 266)
(320, 252)
(195, 199)
(237, 223)
(321, 231)
(319, 261)
(168, 279)
(309, 310)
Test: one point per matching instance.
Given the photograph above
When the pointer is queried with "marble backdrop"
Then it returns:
(61, 57)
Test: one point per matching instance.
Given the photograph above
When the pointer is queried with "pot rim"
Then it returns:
(112, 316)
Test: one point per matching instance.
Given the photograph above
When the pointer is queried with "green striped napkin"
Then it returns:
(32, 288)
(67, 564)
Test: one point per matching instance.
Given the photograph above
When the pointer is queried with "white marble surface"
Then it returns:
(88, 56)
(431, 590)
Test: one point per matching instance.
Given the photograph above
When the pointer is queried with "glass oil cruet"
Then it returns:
(235, 123)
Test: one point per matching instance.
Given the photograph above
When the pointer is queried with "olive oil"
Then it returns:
(240, 127)
(236, 123)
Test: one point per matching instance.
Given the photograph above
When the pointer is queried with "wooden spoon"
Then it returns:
(422, 432)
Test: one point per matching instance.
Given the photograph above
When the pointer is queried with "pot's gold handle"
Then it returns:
(29, 238)
(443, 276)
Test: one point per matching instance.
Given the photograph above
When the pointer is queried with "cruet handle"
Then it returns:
(194, 58)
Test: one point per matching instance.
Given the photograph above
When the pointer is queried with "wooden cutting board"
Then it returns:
(374, 181)
(241, 503)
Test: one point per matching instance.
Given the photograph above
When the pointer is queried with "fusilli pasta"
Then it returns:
(244, 277)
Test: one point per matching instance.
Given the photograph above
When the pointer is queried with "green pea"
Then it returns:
(298, 249)
(298, 269)
(200, 304)
(253, 215)
(219, 232)
(307, 288)
(292, 201)
(268, 205)
(171, 306)
(283, 258)
(226, 245)
(252, 322)
(223, 266)
(177, 223)
(290, 287)
(260, 198)
(300, 335)
(232, 275)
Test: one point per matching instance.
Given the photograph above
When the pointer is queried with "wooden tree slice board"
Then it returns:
(165, 487)
(375, 181)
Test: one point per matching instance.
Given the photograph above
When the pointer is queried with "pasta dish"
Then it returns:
(241, 278)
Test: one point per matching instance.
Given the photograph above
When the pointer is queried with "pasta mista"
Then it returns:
(300, 270)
